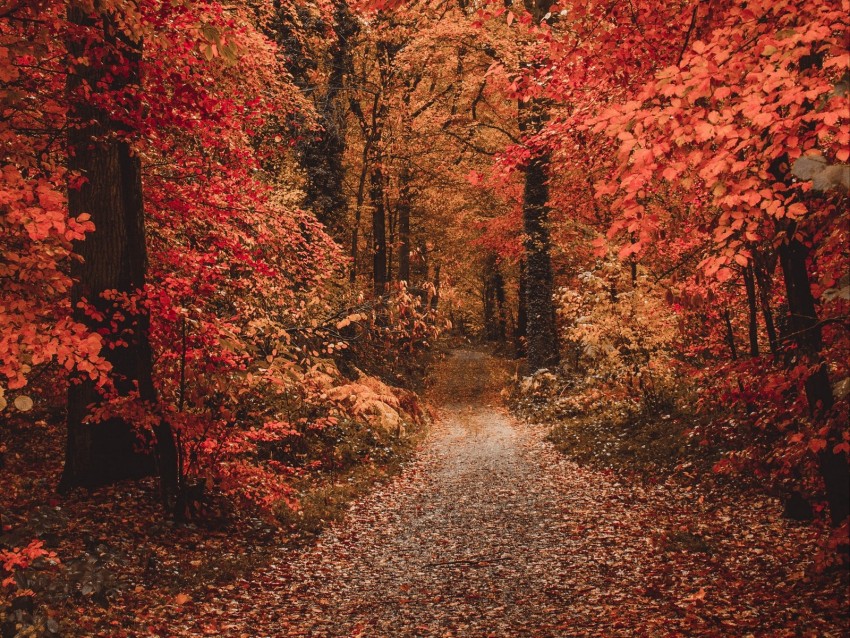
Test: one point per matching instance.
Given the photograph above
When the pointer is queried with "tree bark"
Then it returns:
(752, 310)
(113, 259)
(542, 341)
(379, 229)
(730, 335)
(521, 330)
(805, 331)
(404, 207)
(321, 156)
(494, 301)
(435, 300)
(763, 280)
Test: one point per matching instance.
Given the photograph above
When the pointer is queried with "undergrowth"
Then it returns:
(595, 426)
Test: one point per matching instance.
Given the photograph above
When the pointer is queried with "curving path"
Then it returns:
(490, 532)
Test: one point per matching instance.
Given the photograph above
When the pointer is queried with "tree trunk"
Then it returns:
(752, 310)
(358, 208)
(763, 280)
(379, 229)
(321, 156)
(404, 206)
(764, 284)
(113, 259)
(730, 335)
(435, 300)
(494, 301)
(542, 341)
(805, 331)
(521, 330)
(392, 220)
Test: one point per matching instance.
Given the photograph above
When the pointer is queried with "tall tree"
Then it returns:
(542, 338)
(321, 153)
(110, 276)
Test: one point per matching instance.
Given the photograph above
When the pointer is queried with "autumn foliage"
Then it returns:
(326, 187)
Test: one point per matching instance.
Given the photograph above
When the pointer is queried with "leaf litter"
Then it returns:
(491, 532)
(487, 531)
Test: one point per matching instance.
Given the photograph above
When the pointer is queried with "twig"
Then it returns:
(468, 561)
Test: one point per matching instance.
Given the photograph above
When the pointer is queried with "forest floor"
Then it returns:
(491, 532)
(487, 531)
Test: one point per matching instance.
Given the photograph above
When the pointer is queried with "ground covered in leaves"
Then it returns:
(489, 531)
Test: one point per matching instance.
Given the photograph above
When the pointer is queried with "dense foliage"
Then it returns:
(649, 200)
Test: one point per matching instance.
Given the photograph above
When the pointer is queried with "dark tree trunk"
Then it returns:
(404, 206)
(358, 210)
(113, 259)
(542, 341)
(805, 331)
(763, 280)
(379, 229)
(501, 310)
(436, 299)
(494, 301)
(321, 156)
(752, 310)
(520, 332)
(392, 220)
(730, 335)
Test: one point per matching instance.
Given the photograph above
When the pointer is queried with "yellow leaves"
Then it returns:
(23, 403)
(352, 318)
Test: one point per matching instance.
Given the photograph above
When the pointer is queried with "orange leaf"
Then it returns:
(816, 445)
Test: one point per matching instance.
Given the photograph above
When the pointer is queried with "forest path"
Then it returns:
(469, 541)
(491, 532)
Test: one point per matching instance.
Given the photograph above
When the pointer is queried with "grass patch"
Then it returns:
(638, 442)
(325, 498)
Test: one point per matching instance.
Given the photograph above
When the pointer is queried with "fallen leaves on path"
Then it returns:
(490, 532)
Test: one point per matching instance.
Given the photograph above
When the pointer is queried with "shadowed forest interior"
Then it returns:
(424, 318)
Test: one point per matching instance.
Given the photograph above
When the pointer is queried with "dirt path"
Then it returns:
(491, 533)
